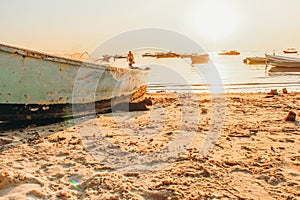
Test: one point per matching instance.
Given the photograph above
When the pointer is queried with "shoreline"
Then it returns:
(227, 91)
(256, 154)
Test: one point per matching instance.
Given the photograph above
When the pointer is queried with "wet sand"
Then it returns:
(256, 154)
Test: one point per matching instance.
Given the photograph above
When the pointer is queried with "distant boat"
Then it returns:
(231, 52)
(167, 55)
(196, 58)
(255, 60)
(283, 62)
(290, 50)
(161, 55)
(37, 86)
(148, 55)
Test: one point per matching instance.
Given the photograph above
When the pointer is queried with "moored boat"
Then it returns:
(196, 58)
(283, 61)
(284, 69)
(167, 55)
(231, 52)
(36, 85)
(290, 50)
(255, 60)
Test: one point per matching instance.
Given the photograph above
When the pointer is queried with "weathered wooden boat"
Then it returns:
(36, 85)
(255, 60)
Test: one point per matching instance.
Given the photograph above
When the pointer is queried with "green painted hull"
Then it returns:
(40, 81)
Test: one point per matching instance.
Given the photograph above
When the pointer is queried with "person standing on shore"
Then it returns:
(130, 59)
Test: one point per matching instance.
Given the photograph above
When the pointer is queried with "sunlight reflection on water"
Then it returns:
(236, 76)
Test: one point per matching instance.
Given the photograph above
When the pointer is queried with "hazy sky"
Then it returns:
(80, 25)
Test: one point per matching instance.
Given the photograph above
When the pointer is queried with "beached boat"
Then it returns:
(231, 52)
(255, 60)
(290, 50)
(36, 86)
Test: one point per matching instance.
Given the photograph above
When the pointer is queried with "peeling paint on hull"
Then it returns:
(35, 85)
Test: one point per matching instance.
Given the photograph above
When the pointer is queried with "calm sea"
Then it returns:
(177, 75)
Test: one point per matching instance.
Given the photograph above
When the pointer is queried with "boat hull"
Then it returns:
(254, 60)
(284, 69)
(39, 112)
(290, 51)
(36, 85)
(229, 53)
(283, 61)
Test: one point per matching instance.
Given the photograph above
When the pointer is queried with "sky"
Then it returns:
(69, 26)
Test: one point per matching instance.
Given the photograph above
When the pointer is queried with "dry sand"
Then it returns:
(256, 156)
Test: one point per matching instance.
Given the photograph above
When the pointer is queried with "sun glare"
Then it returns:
(214, 19)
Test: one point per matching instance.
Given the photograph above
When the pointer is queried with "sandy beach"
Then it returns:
(256, 154)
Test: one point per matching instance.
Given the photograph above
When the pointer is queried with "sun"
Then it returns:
(214, 19)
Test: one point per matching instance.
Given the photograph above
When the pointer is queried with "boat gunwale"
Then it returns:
(54, 58)
(283, 58)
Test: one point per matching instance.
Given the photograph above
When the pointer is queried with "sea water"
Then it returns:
(178, 75)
